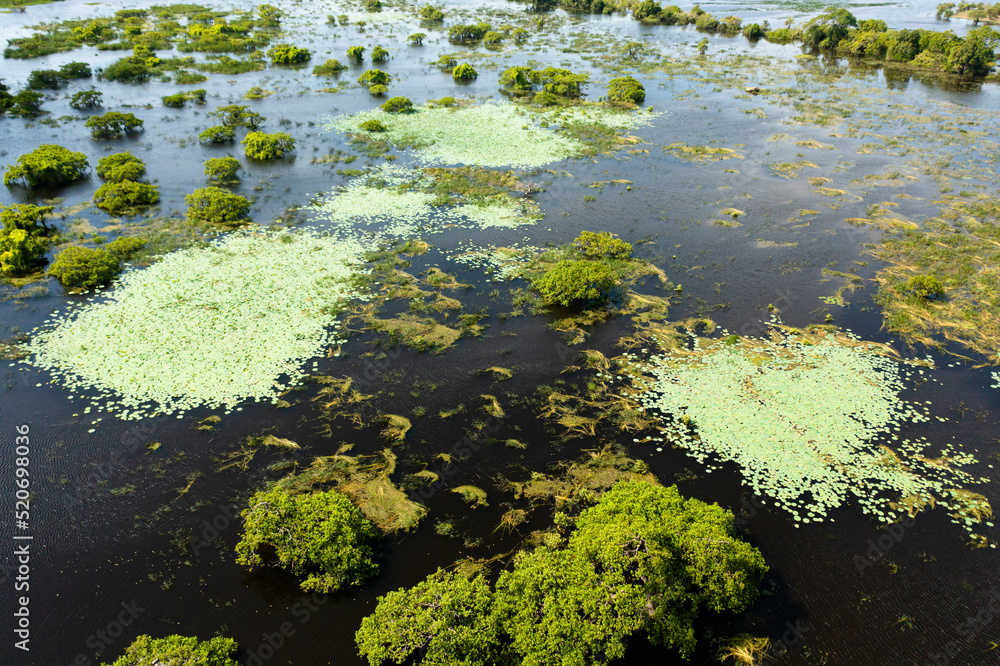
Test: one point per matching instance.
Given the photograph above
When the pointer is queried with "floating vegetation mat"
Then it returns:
(501, 263)
(392, 201)
(809, 418)
(204, 326)
(491, 135)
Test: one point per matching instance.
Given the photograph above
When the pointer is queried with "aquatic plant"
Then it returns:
(86, 99)
(417, 38)
(319, 535)
(574, 280)
(222, 170)
(464, 72)
(625, 89)
(379, 54)
(83, 268)
(20, 251)
(287, 54)
(125, 197)
(41, 79)
(49, 164)
(238, 115)
(218, 134)
(378, 90)
(262, 146)
(430, 13)
(117, 167)
(329, 68)
(178, 100)
(187, 650)
(216, 206)
(398, 105)
(373, 77)
(553, 80)
(203, 326)
(808, 418)
(356, 53)
(113, 124)
(601, 245)
(372, 126)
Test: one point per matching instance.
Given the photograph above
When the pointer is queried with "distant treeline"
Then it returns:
(836, 32)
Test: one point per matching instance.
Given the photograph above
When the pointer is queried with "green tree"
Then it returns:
(83, 268)
(223, 170)
(75, 70)
(217, 206)
(492, 38)
(218, 134)
(49, 164)
(125, 197)
(398, 105)
(27, 217)
(262, 146)
(379, 54)
(26, 103)
(574, 280)
(320, 535)
(430, 13)
(286, 54)
(176, 649)
(41, 79)
(20, 251)
(125, 247)
(601, 245)
(464, 72)
(238, 115)
(447, 619)
(417, 38)
(120, 166)
(356, 53)
(753, 31)
(974, 55)
(270, 16)
(86, 99)
(626, 89)
(329, 68)
(374, 77)
(113, 124)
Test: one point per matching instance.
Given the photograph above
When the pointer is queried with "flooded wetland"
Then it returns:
(558, 332)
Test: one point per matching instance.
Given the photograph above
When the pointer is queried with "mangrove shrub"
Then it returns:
(601, 246)
(222, 170)
(120, 166)
(329, 68)
(86, 99)
(575, 280)
(113, 124)
(398, 105)
(320, 536)
(356, 53)
(49, 164)
(218, 134)
(373, 77)
(82, 268)
(125, 197)
(217, 206)
(464, 72)
(176, 649)
(262, 146)
(286, 54)
(379, 54)
(238, 115)
(625, 89)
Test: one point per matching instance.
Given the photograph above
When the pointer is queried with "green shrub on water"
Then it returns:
(27, 217)
(573, 281)
(398, 105)
(238, 115)
(464, 72)
(126, 197)
(120, 166)
(222, 170)
(753, 31)
(83, 268)
(430, 13)
(217, 206)
(446, 62)
(217, 134)
(176, 649)
(26, 103)
(49, 164)
(329, 68)
(626, 89)
(468, 32)
(374, 77)
(41, 79)
(180, 99)
(86, 99)
(492, 38)
(373, 5)
(20, 251)
(378, 90)
(417, 38)
(286, 54)
(124, 248)
(75, 70)
(113, 124)
(924, 287)
(321, 536)
(262, 146)
(373, 126)
(552, 80)
(602, 245)
(379, 54)
(356, 53)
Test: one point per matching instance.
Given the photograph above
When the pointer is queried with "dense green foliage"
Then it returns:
(430, 13)
(217, 206)
(125, 197)
(574, 280)
(356, 53)
(378, 89)
(27, 217)
(222, 170)
(86, 99)
(41, 79)
(643, 560)
(123, 248)
(372, 126)
(262, 146)
(601, 245)
(555, 81)
(379, 54)
(178, 100)
(218, 134)
(238, 115)
(398, 105)
(924, 287)
(468, 32)
(22, 238)
(48, 164)
(319, 535)
(492, 38)
(374, 77)
(179, 650)
(625, 89)
(286, 54)
(113, 124)
(464, 72)
(329, 68)
(135, 68)
(417, 38)
(117, 167)
(83, 268)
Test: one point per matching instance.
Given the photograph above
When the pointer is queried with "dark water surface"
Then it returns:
(95, 550)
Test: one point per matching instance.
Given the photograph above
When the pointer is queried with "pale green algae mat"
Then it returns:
(204, 326)
(489, 135)
(805, 418)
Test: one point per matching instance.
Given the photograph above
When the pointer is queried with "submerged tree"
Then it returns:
(262, 146)
(49, 164)
(217, 206)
